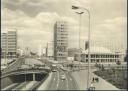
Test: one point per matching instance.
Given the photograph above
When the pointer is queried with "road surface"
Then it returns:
(20, 86)
(57, 83)
(14, 65)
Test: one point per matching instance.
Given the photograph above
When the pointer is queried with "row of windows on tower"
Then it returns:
(62, 31)
(62, 55)
(99, 56)
(61, 41)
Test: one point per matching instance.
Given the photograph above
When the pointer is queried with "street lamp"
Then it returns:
(76, 7)
(79, 13)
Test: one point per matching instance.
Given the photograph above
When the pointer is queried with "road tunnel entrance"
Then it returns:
(27, 77)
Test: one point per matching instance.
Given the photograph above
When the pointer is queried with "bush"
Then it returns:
(114, 76)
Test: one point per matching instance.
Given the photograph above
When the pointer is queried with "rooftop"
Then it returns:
(98, 50)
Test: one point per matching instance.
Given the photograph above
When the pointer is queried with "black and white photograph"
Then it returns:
(64, 45)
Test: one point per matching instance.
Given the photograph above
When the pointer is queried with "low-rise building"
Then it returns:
(72, 52)
(98, 54)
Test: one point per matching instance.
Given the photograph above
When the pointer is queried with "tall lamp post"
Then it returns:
(79, 13)
(76, 7)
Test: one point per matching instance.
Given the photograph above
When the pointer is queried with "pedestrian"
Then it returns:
(91, 84)
(93, 79)
(97, 79)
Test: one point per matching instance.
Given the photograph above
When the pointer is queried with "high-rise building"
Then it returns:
(9, 44)
(3, 45)
(60, 41)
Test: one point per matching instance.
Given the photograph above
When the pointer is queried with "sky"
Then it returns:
(34, 21)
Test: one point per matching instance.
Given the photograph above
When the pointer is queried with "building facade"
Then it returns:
(60, 41)
(98, 55)
(3, 45)
(72, 52)
(9, 44)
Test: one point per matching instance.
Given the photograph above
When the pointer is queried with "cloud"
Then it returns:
(32, 29)
(34, 19)
(111, 30)
(115, 24)
(33, 7)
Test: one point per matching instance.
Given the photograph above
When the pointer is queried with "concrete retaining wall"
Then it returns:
(5, 82)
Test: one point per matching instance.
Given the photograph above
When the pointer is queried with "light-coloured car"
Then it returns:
(63, 77)
(54, 70)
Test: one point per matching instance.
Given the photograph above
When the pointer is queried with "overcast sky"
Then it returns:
(34, 20)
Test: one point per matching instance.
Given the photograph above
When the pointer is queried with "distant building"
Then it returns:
(60, 41)
(9, 44)
(40, 51)
(99, 55)
(20, 52)
(72, 52)
(44, 52)
(126, 56)
(50, 50)
(27, 51)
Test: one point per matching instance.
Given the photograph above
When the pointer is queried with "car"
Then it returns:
(91, 89)
(63, 77)
(54, 70)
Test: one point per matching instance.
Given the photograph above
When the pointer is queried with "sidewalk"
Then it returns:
(81, 79)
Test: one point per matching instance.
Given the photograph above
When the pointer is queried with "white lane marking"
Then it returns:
(58, 81)
(67, 85)
(19, 86)
(29, 85)
(57, 85)
(6, 88)
(67, 81)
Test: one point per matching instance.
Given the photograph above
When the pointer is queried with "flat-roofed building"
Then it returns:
(99, 54)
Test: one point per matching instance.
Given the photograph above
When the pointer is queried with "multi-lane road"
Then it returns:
(21, 86)
(57, 83)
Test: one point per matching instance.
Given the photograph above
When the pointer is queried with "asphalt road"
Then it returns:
(14, 65)
(20, 86)
(58, 84)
